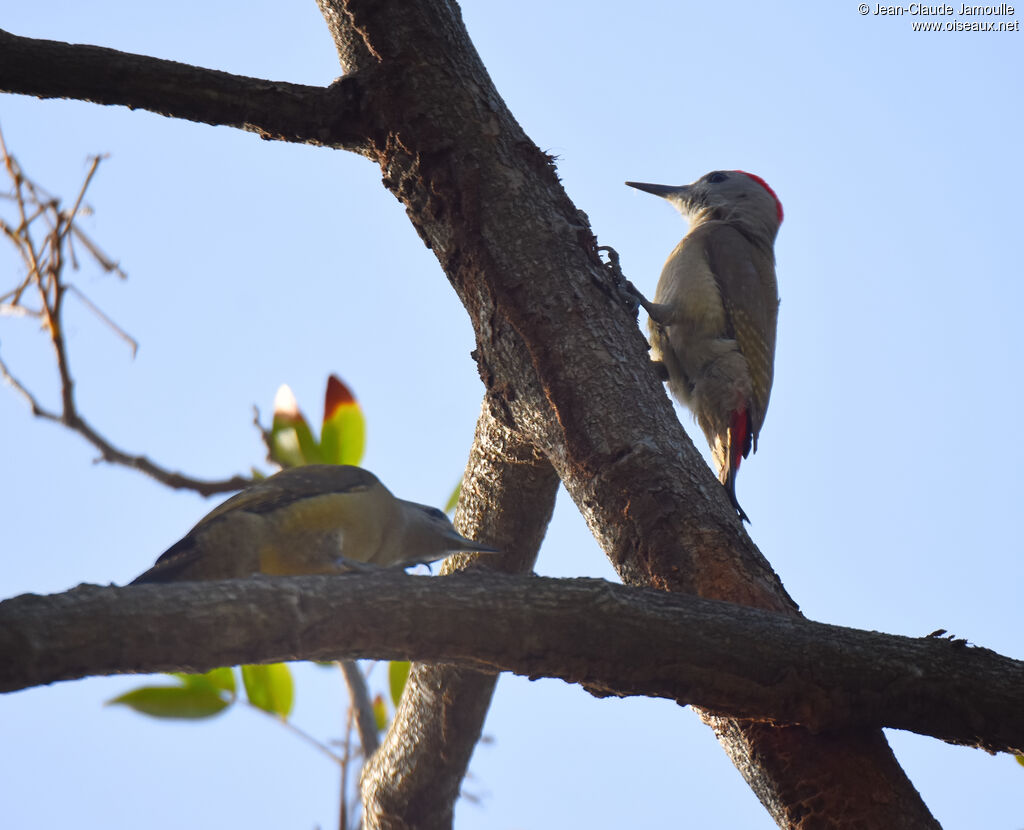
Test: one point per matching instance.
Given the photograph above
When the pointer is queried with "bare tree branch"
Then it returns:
(612, 639)
(326, 116)
(44, 262)
(362, 705)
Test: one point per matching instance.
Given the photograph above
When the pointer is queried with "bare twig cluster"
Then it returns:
(45, 234)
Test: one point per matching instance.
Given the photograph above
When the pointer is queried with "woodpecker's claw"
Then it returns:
(659, 313)
(353, 566)
(613, 260)
(626, 290)
(631, 294)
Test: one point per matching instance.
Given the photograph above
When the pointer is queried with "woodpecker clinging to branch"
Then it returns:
(715, 309)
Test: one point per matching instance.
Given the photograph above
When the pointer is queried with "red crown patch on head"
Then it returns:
(766, 186)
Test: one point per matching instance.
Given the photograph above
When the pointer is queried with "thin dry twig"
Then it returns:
(359, 720)
(359, 693)
(44, 263)
(347, 755)
(302, 733)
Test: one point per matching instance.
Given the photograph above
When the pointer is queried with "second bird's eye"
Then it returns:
(715, 178)
(436, 514)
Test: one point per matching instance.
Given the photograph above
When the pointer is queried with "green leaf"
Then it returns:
(187, 702)
(453, 499)
(398, 674)
(291, 440)
(222, 679)
(270, 688)
(380, 713)
(343, 434)
(1020, 759)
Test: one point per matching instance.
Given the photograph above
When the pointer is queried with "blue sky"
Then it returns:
(886, 484)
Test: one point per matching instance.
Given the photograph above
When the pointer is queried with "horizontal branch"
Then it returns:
(612, 639)
(327, 116)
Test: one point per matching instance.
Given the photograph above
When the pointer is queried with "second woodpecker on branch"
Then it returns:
(318, 519)
(715, 310)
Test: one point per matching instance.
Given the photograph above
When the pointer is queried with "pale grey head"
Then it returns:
(732, 196)
(430, 533)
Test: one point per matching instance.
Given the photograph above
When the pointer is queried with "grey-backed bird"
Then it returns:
(317, 519)
(714, 314)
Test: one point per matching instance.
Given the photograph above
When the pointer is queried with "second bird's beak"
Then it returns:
(460, 544)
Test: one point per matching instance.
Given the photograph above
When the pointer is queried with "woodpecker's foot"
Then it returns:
(404, 566)
(352, 566)
(660, 313)
(625, 289)
(613, 261)
(631, 295)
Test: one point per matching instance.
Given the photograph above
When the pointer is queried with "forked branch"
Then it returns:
(41, 293)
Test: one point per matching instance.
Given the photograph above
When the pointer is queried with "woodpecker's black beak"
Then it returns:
(666, 191)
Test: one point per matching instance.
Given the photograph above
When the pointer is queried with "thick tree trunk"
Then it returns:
(558, 349)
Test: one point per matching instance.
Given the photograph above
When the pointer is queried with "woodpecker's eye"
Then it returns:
(715, 178)
(434, 513)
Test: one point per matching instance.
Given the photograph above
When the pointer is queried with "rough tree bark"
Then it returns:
(558, 350)
(611, 639)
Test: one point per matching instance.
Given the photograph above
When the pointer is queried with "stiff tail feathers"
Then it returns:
(739, 444)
